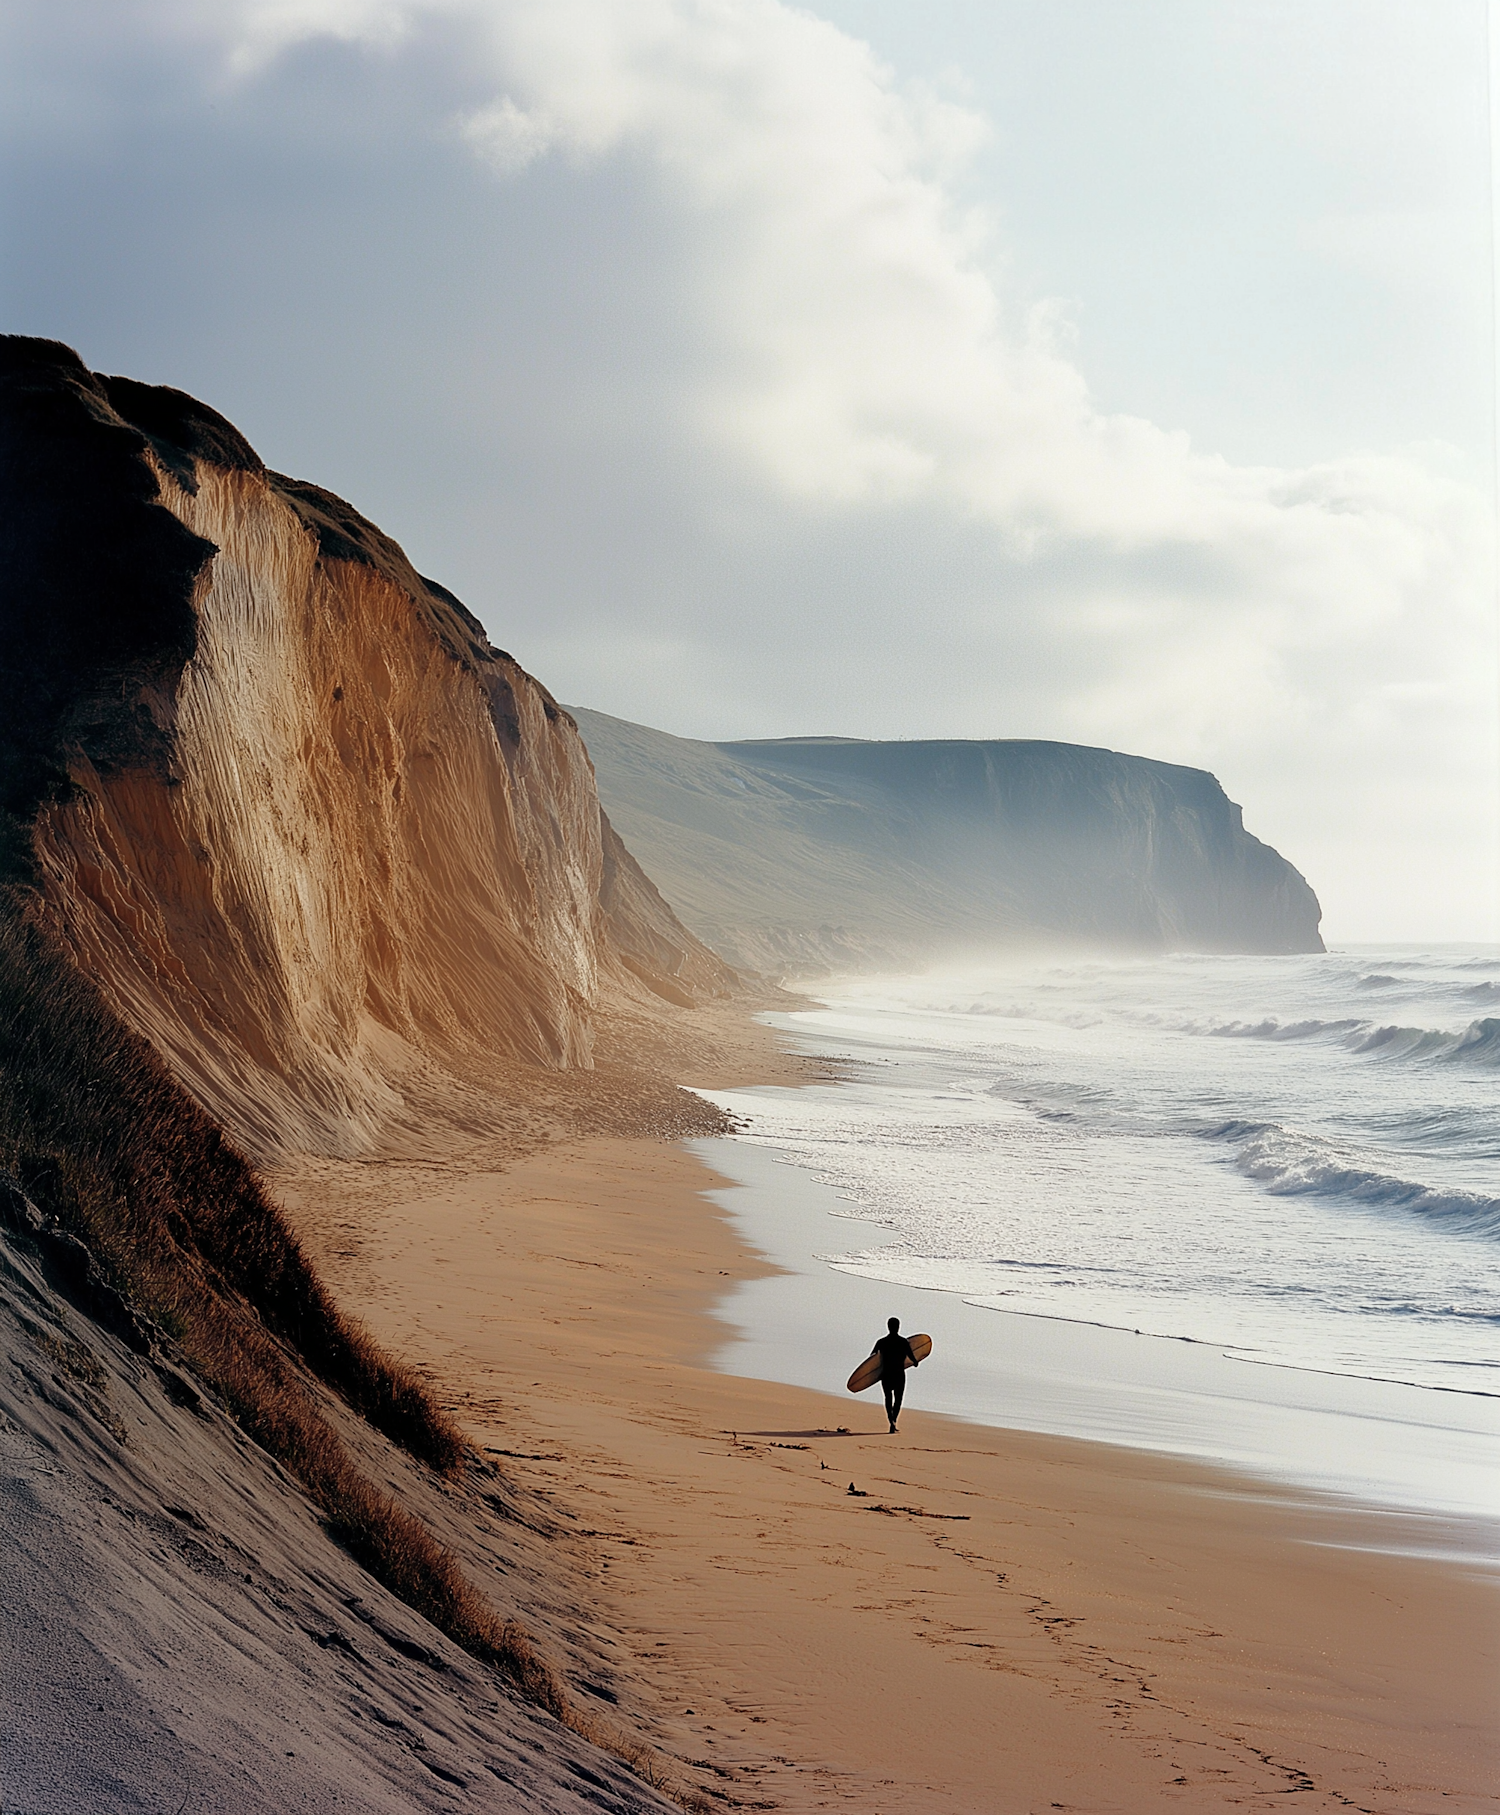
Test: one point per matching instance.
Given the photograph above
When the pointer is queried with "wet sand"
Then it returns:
(993, 1621)
(1435, 1456)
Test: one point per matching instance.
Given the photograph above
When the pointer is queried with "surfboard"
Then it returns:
(868, 1372)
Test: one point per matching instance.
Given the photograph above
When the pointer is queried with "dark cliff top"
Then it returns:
(96, 604)
(181, 429)
(344, 535)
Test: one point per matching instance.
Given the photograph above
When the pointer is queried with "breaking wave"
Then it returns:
(1298, 1157)
(1477, 1044)
(1289, 1164)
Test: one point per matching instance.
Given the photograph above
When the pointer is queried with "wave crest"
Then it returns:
(1478, 1044)
(1272, 1029)
(1290, 1164)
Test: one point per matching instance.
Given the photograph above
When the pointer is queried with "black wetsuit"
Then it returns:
(893, 1351)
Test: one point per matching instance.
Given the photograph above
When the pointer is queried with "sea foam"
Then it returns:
(1230, 1150)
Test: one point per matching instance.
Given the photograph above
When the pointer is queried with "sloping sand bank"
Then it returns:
(181, 1631)
(994, 1621)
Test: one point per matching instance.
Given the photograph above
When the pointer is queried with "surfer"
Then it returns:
(896, 1356)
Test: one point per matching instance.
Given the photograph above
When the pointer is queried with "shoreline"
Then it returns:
(1079, 1140)
(1378, 1445)
(994, 1619)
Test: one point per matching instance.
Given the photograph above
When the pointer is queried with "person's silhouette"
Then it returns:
(895, 1354)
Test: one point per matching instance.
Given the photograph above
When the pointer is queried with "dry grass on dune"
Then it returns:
(107, 1143)
(274, 1408)
(110, 1148)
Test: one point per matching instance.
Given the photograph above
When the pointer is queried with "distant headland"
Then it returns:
(807, 856)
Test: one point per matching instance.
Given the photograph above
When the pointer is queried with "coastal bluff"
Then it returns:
(293, 863)
(311, 835)
(800, 857)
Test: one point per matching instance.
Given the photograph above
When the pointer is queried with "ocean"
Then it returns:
(1290, 1161)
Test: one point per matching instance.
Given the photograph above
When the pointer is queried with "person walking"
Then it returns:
(896, 1357)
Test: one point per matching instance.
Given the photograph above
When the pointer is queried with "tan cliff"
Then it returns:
(292, 862)
(342, 841)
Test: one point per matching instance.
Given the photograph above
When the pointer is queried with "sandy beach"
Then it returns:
(678, 679)
(809, 1613)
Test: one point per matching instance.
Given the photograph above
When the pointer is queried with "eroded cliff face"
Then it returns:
(322, 840)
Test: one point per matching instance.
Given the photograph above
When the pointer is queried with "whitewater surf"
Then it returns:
(1287, 1161)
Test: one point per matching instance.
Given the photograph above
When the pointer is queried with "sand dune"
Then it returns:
(183, 1631)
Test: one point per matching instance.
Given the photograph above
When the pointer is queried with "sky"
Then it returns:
(1121, 373)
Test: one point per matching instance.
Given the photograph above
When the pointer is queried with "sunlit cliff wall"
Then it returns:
(317, 837)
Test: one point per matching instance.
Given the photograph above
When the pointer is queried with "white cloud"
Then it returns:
(506, 137)
(865, 353)
(855, 357)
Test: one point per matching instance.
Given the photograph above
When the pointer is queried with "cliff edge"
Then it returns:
(291, 861)
(802, 856)
(308, 832)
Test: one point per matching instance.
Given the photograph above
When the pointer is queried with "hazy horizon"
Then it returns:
(1121, 377)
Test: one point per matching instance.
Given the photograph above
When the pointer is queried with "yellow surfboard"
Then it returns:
(868, 1372)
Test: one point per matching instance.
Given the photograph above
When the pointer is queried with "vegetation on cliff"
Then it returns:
(283, 840)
